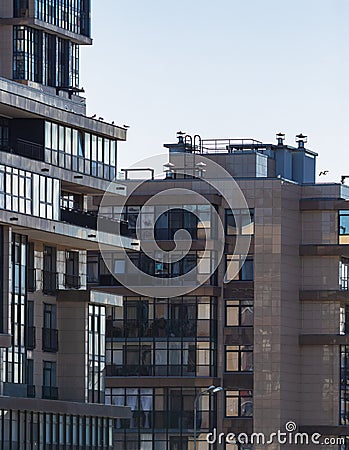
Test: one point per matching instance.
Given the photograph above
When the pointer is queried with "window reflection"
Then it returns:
(176, 337)
(239, 313)
(81, 152)
(343, 227)
(35, 58)
(239, 222)
(238, 269)
(238, 404)
(70, 15)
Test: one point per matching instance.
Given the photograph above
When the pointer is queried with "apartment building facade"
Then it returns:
(78, 347)
(271, 332)
(52, 158)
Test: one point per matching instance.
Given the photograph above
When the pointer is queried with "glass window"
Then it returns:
(344, 274)
(238, 358)
(239, 222)
(344, 227)
(238, 404)
(106, 151)
(68, 138)
(87, 145)
(237, 269)
(80, 145)
(48, 143)
(49, 374)
(61, 138)
(238, 313)
(54, 136)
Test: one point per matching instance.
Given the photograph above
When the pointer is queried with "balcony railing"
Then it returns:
(151, 370)
(29, 149)
(72, 281)
(30, 338)
(344, 283)
(30, 391)
(50, 340)
(158, 328)
(49, 282)
(137, 280)
(50, 393)
(31, 280)
(108, 280)
(92, 220)
(175, 420)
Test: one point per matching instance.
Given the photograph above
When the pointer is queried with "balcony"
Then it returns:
(49, 393)
(91, 220)
(50, 340)
(31, 280)
(30, 149)
(150, 370)
(72, 281)
(49, 282)
(344, 283)
(31, 391)
(175, 420)
(30, 338)
(182, 328)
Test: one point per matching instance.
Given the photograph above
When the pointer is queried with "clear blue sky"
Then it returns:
(229, 68)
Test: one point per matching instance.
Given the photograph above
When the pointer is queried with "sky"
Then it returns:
(222, 69)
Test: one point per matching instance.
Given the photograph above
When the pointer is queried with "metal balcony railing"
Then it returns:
(72, 281)
(50, 340)
(29, 149)
(175, 420)
(157, 328)
(30, 338)
(92, 220)
(50, 393)
(151, 370)
(31, 280)
(49, 282)
(344, 283)
(31, 391)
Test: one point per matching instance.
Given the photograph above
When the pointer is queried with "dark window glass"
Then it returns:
(176, 337)
(96, 353)
(49, 387)
(4, 133)
(49, 274)
(72, 277)
(14, 357)
(159, 412)
(71, 15)
(344, 387)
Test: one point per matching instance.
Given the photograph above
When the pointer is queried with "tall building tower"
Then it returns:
(54, 160)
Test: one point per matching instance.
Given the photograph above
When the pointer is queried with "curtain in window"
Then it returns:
(131, 401)
(147, 404)
(118, 400)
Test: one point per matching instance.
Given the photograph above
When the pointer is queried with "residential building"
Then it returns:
(52, 158)
(273, 334)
